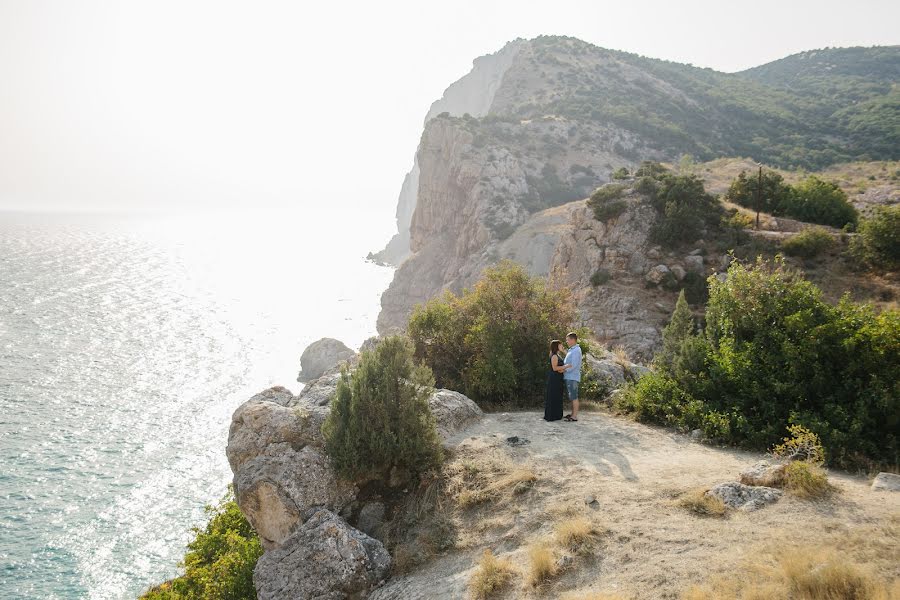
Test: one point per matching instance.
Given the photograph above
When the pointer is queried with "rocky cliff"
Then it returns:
(547, 121)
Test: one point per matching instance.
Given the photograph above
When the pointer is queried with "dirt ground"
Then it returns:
(649, 546)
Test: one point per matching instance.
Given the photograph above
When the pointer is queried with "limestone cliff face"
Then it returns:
(473, 95)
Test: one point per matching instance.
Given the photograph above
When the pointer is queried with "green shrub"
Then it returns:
(695, 288)
(219, 562)
(600, 277)
(878, 241)
(609, 210)
(685, 209)
(775, 354)
(743, 191)
(809, 243)
(380, 417)
(816, 201)
(620, 173)
(492, 341)
(607, 193)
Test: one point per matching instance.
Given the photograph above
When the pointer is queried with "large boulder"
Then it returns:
(324, 559)
(268, 418)
(693, 263)
(318, 392)
(889, 482)
(452, 412)
(657, 274)
(765, 474)
(282, 487)
(744, 497)
(322, 355)
(606, 370)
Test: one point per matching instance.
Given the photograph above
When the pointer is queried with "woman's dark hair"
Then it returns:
(554, 346)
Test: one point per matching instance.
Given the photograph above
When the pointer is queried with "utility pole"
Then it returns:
(758, 197)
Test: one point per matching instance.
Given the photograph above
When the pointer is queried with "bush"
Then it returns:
(609, 210)
(380, 417)
(620, 173)
(878, 242)
(775, 354)
(695, 288)
(809, 243)
(600, 277)
(605, 201)
(806, 480)
(492, 342)
(220, 559)
(816, 201)
(685, 209)
(743, 191)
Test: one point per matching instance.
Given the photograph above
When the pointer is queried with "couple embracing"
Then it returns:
(563, 371)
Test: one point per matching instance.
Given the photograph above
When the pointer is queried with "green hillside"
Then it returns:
(809, 110)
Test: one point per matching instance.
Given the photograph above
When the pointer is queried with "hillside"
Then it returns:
(544, 122)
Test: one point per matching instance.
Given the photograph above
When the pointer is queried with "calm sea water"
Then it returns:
(125, 345)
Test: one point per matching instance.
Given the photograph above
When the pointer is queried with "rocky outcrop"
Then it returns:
(765, 474)
(452, 412)
(744, 497)
(322, 355)
(889, 482)
(324, 559)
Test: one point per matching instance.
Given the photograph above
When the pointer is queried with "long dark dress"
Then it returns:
(553, 397)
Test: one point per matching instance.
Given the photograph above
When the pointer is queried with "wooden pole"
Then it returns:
(758, 197)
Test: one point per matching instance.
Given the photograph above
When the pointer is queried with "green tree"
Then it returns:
(380, 418)
(492, 341)
(686, 209)
(817, 201)
(774, 191)
(878, 241)
(220, 559)
(680, 328)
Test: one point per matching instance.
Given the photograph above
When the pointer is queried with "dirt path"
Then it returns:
(652, 548)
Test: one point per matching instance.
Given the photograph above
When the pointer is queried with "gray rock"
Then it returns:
(325, 559)
(694, 263)
(371, 520)
(282, 487)
(744, 497)
(679, 272)
(635, 372)
(370, 344)
(322, 355)
(764, 473)
(695, 252)
(725, 261)
(889, 482)
(722, 277)
(605, 370)
(697, 435)
(318, 392)
(452, 412)
(265, 420)
(657, 274)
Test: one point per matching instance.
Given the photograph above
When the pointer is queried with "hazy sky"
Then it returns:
(163, 104)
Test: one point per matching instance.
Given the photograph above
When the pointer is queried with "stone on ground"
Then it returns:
(887, 481)
(765, 474)
(744, 497)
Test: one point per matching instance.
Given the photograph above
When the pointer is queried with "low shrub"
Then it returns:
(620, 173)
(806, 480)
(600, 277)
(220, 559)
(878, 241)
(491, 576)
(699, 503)
(380, 417)
(606, 203)
(685, 209)
(817, 201)
(801, 444)
(609, 210)
(809, 243)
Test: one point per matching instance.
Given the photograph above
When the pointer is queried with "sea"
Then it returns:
(126, 343)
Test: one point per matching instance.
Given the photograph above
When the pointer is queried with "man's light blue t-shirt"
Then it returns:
(573, 357)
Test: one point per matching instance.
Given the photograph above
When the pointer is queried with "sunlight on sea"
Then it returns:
(125, 345)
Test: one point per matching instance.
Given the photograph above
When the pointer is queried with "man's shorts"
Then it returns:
(572, 388)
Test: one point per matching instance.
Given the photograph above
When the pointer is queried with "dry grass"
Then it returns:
(591, 596)
(698, 503)
(799, 573)
(620, 357)
(541, 564)
(491, 478)
(806, 480)
(491, 575)
(576, 535)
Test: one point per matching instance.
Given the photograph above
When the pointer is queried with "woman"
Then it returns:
(553, 397)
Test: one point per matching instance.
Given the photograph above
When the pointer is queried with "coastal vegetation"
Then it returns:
(219, 561)
(380, 419)
(774, 353)
(491, 342)
(878, 242)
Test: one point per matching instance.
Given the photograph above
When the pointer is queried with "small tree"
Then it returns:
(679, 329)
(817, 201)
(878, 242)
(380, 417)
(773, 195)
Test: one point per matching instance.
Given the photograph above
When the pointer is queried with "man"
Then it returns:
(572, 376)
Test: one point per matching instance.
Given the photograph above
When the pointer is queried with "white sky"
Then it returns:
(188, 104)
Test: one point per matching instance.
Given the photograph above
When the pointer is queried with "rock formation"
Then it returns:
(744, 497)
(285, 486)
(321, 356)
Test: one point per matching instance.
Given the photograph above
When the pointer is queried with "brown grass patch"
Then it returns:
(491, 575)
(591, 596)
(576, 535)
(799, 573)
(491, 478)
(698, 503)
(542, 564)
